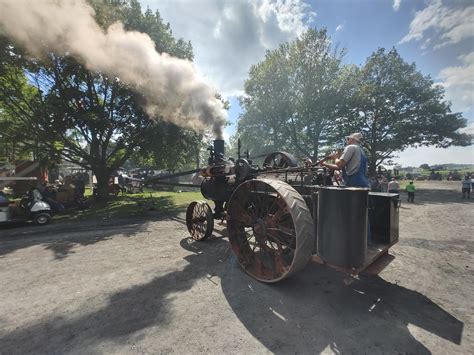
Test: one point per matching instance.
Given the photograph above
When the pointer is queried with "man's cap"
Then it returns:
(357, 136)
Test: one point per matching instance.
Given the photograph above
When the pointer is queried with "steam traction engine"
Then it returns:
(280, 215)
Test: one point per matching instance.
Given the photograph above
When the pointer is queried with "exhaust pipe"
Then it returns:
(219, 148)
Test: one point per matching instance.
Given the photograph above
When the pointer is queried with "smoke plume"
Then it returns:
(172, 87)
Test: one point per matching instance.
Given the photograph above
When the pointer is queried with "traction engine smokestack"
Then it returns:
(219, 148)
(217, 186)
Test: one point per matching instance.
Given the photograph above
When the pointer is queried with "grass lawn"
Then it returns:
(132, 205)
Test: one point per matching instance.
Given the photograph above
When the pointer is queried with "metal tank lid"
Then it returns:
(343, 188)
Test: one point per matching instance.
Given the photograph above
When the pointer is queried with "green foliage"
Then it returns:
(266, 104)
(293, 96)
(166, 146)
(301, 99)
(135, 205)
(16, 139)
(59, 108)
(396, 107)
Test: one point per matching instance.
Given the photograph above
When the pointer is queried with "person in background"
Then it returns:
(34, 195)
(393, 186)
(352, 163)
(121, 182)
(466, 187)
(384, 183)
(411, 192)
(79, 188)
(49, 196)
(375, 184)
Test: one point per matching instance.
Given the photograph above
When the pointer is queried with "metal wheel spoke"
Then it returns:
(199, 220)
(264, 232)
(282, 231)
(242, 216)
(279, 241)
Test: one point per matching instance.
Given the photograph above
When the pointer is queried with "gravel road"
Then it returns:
(142, 286)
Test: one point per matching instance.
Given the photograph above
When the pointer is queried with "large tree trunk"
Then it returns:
(372, 161)
(102, 176)
(196, 157)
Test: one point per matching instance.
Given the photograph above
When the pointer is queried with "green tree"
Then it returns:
(293, 97)
(396, 107)
(166, 146)
(317, 90)
(15, 142)
(87, 117)
(266, 104)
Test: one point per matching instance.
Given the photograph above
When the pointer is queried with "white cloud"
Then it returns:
(451, 24)
(340, 27)
(229, 36)
(458, 82)
(396, 4)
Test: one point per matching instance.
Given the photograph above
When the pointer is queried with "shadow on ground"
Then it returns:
(308, 313)
(317, 311)
(126, 313)
(62, 238)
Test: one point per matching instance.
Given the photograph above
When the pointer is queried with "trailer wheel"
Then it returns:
(270, 229)
(199, 220)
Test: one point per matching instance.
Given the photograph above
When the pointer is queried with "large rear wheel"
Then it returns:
(270, 229)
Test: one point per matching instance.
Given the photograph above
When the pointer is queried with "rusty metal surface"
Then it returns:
(199, 220)
(270, 229)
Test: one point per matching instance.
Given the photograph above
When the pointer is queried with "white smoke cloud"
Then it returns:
(172, 87)
(228, 36)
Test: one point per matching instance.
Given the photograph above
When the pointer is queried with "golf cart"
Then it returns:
(31, 207)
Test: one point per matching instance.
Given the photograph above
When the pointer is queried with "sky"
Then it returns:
(228, 36)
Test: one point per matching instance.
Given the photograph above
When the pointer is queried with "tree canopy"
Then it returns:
(293, 97)
(303, 99)
(85, 117)
(396, 107)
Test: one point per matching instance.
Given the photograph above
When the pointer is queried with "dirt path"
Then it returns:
(144, 287)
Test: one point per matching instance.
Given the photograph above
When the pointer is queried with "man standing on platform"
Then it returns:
(352, 163)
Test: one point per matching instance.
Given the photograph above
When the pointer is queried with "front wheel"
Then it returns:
(41, 218)
(199, 220)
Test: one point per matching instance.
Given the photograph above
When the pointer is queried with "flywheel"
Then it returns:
(280, 160)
